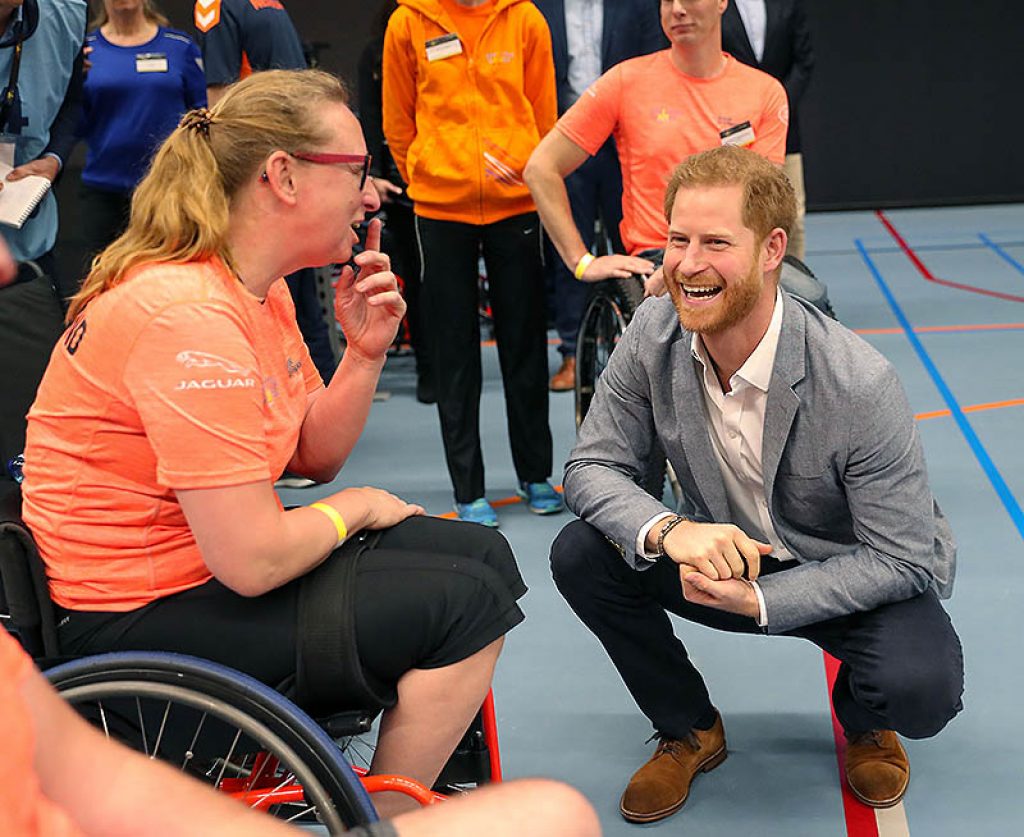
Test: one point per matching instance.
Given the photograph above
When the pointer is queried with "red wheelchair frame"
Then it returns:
(261, 790)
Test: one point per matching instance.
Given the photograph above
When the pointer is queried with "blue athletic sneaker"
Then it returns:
(479, 511)
(540, 497)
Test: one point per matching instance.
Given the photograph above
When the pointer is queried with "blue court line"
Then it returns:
(1006, 257)
(922, 248)
(987, 465)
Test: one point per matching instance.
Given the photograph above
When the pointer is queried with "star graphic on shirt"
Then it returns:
(663, 116)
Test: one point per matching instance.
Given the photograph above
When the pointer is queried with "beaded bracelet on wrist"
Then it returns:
(668, 527)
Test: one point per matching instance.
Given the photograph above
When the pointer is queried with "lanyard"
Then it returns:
(23, 27)
(10, 109)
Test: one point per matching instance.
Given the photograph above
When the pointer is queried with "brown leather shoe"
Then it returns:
(565, 378)
(877, 768)
(661, 786)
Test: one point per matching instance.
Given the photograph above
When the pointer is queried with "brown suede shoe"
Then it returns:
(565, 378)
(661, 786)
(877, 768)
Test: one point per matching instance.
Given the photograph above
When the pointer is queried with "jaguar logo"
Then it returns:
(191, 359)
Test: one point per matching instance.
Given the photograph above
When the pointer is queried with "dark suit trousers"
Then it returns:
(449, 294)
(310, 319)
(901, 664)
(399, 243)
(104, 216)
(595, 191)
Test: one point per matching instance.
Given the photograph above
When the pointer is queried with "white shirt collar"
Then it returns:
(757, 369)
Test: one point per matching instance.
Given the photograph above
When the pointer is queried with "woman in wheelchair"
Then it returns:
(182, 389)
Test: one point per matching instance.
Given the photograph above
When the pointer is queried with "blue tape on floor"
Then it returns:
(1006, 257)
(988, 466)
(927, 248)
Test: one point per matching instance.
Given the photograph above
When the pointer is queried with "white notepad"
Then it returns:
(19, 197)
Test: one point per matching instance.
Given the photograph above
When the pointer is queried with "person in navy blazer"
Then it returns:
(789, 57)
(629, 28)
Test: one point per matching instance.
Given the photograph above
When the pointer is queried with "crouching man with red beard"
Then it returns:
(805, 510)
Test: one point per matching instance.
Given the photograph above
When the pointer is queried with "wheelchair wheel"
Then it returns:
(610, 309)
(221, 727)
(798, 279)
(607, 314)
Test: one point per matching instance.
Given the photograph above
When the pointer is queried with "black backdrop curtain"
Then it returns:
(913, 102)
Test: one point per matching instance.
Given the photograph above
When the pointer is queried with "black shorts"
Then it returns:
(429, 593)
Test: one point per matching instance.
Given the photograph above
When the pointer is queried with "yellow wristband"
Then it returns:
(582, 265)
(335, 517)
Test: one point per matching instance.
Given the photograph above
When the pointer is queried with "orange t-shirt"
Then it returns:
(24, 809)
(177, 378)
(660, 116)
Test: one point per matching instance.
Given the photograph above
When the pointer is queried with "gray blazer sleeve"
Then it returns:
(615, 444)
(900, 538)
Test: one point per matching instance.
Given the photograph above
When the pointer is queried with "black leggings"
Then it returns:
(451, 256)
(430, 593)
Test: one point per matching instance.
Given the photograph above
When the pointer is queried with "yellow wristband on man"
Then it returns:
(335, 517)
(582, 265)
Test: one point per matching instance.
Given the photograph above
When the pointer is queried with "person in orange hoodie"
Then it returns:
(468, 90)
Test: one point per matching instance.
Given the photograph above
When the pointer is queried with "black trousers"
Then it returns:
(104, 217)
(302, 285)
(399, 242)
(31, 322)
(901, 664)
(511, 251)
(431, 593)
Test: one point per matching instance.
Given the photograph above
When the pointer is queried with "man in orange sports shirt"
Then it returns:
(660, 108)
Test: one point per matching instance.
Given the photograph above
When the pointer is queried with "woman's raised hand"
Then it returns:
(367, 303)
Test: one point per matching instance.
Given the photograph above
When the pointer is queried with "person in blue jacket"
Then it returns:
(40, 80)
(143, 77)
(239, 37)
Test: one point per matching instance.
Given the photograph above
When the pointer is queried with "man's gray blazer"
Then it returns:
(844, 473)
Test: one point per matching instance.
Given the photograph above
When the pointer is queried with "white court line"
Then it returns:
(892, 822)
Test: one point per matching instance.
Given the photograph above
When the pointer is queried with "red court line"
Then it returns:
(945, 328)
(860, 819)
(552, 341)
(504, 501)
(931, 277)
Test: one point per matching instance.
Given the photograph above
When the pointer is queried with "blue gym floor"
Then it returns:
(953, 325)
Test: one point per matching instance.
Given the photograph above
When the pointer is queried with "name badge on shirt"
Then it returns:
(742, 134)
(150, 62)
(443, 47)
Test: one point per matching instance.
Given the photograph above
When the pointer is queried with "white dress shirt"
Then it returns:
(584, 28)
(754, 15)
(736, 428)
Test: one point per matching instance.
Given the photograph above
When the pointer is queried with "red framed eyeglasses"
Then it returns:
(330, 159)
